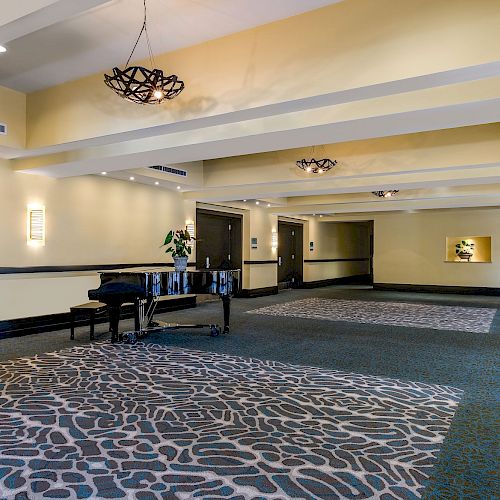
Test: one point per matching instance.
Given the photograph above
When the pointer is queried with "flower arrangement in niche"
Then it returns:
(178, 243)
(464, 250)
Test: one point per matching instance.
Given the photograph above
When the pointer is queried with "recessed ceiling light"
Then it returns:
(268, 205)
(103, 173)
(2, 49)
(244, 201)
(257, 202)
(320, 215)
(157, 183)
(178, 187)
(132, 178)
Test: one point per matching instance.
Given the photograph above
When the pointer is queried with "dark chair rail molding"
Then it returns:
(104, 267)
(81, 267)
(355, 259)
(260, 262)
(171, 264)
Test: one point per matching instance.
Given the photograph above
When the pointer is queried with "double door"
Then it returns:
(218, 240)
(290, 254)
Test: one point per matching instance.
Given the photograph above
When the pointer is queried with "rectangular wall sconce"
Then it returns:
(190, 230)
(274, 240)
(36, 225)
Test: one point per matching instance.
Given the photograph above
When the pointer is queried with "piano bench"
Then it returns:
(89, 309)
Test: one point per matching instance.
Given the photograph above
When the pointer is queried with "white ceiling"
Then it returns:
(102, 37)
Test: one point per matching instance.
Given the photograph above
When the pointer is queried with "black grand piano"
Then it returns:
(143, 286)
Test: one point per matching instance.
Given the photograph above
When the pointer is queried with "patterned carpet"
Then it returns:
(148, 421)
(466, 319)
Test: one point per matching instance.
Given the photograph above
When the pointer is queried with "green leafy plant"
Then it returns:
(465, 246)
(178, 243)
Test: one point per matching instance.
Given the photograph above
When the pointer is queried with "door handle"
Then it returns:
(207, 263)
(279, 261)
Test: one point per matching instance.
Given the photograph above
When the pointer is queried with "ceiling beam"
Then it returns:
(324, 103)
(480, 200)
(220, 142)
(20, 18)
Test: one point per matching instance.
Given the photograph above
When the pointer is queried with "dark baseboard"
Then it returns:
(464, 290)
(258, 292)
(61, 321)
(360, 279)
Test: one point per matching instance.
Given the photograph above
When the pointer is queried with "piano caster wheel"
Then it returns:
(130, 338)
(214, 331)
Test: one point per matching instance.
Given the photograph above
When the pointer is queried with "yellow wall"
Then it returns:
(13, 114)
(317, 52)
(411, 248)
(335, 240)
(262, 225)
(89, 220)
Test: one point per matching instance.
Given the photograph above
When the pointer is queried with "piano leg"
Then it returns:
(226, 305)
(137, 315)
(114, 319)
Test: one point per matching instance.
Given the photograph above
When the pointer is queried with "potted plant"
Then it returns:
(178, 243)
(464, 250)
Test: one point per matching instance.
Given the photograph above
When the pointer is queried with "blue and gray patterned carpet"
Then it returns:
(389, 411)
(438, 317)
(113, 421)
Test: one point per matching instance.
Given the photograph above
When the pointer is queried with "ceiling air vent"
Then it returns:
(170, 170)
(3, 129)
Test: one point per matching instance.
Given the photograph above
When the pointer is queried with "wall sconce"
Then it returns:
(274, 240)
(190, 230)
(35, 225)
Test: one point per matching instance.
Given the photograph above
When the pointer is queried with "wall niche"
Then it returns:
(468, 249)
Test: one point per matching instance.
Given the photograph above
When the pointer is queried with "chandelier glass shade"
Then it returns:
(314, 166)
(142, 85)
(386, 194)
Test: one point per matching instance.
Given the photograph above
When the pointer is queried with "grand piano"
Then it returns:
(143, 286)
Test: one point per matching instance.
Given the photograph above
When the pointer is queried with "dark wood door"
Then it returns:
(218, 239)
(290, 254)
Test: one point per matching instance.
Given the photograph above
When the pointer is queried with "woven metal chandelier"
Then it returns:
(386, 194)
(142, 85)
(315, 166)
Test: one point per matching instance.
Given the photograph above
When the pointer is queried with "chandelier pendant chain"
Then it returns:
(144, 30)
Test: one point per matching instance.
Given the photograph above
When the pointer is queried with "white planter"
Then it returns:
(180, 263)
